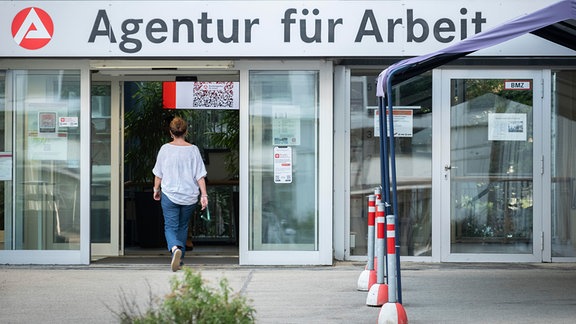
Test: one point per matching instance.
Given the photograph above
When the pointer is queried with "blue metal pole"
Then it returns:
(393, 178)
(384, 171)
(384, 168)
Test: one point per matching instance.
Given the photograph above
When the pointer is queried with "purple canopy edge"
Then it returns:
(554, 13)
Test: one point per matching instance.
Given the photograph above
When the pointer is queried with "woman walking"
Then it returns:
(179, 179)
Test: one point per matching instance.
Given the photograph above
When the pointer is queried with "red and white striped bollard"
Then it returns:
(378, 293)
(392, 312)
(368, 276)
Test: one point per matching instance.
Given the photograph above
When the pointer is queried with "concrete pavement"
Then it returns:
(432, 293)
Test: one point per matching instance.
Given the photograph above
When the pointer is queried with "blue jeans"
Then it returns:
(176, 218)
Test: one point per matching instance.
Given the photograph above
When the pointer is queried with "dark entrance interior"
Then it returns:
(215, 132)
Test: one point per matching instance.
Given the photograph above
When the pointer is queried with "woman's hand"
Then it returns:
(204, 201)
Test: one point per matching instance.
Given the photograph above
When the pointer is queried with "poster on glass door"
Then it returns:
(282, 164)
(45, 139)
(506, 127)
(285, 125)
(403, 121)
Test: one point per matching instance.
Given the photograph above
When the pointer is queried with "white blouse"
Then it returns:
(180, 168)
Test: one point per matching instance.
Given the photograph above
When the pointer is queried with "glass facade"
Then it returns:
(563, 195)
(283, 155)
(44, 118)
(413, 100)
(490, 139)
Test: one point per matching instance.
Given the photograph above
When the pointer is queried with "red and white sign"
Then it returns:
(68, 122)
(403, 121)
(282, 164)
(200, 95)
(32, 28)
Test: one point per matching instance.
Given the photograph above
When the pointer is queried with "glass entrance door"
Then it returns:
(288, 187)
(490, 137)
(105, 179)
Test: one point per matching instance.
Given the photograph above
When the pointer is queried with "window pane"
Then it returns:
(47, 159)
(491, 176)
(563, 171)
(283, 160)
(413, 162)
(100, 163)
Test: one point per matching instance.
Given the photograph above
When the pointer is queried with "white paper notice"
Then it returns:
(507, 127)
(285, 125)
(282, 164)
(403, 122)
(68, 122)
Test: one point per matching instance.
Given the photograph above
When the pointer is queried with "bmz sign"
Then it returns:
(518, 85)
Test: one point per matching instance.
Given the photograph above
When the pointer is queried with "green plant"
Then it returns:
(191, 301)
(146, 128)
(228, 137)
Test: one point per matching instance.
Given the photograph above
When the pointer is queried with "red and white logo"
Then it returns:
(32, 28)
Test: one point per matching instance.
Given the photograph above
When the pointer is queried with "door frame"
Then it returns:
(116, 245)
(541, 179)
(324, 254)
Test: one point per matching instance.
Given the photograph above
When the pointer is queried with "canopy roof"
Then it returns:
(556, 23)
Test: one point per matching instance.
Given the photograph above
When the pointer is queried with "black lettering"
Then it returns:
(391, 26)
(332, 28)
(222, 37)
(204, 22)
(248, 29)
(518, 85)
(130, 27)
(411, 37)
(287, 21)
(363, 31)
(463, 25)
(317, 28)
(478, 21)
(176, 32)
(102, 18)
(151, 29)
(441, 26)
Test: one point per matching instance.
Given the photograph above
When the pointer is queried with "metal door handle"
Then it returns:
(449, 167)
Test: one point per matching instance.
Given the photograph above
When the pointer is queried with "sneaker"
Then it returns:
(175, 264)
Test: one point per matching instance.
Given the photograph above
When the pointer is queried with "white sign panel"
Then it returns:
(247, 28)
(201, 95)
(46, 148)
(403, 122)
(285, 125)
(518, 85)
(507, 127)
(68, 122)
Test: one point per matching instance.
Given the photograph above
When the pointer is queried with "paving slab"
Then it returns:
(431, 292)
